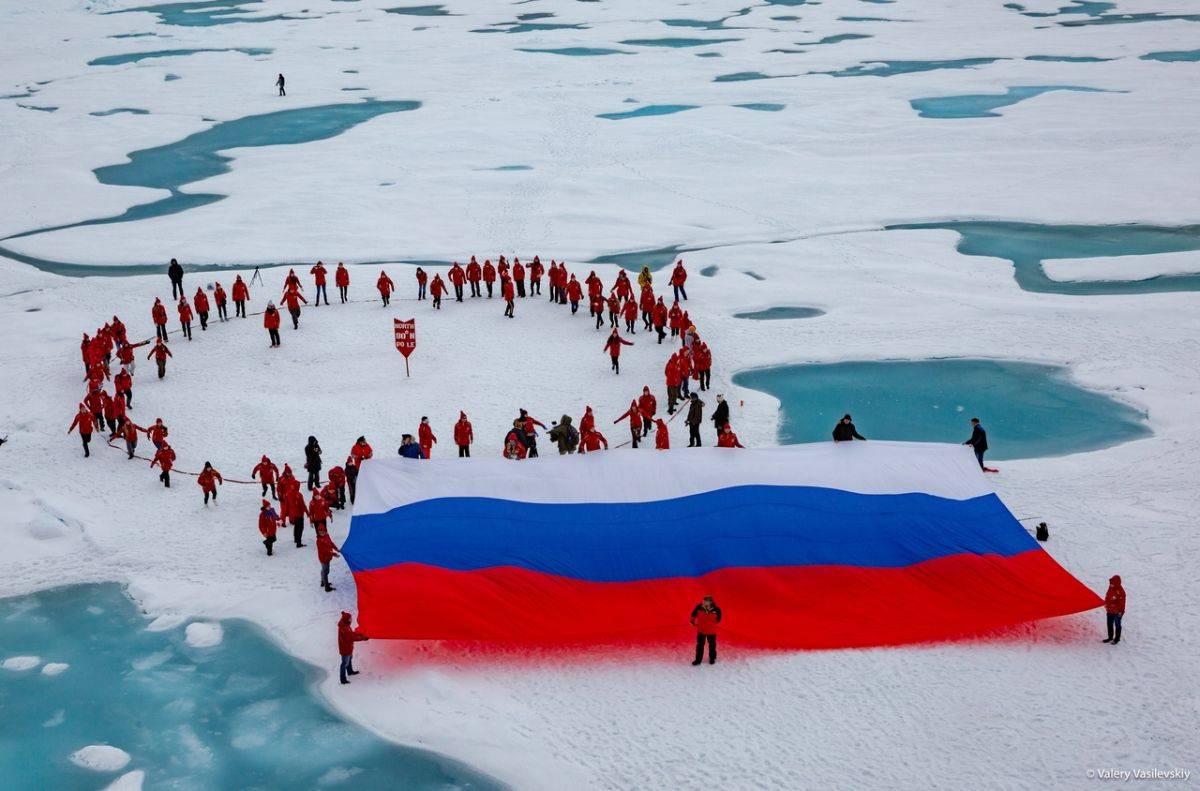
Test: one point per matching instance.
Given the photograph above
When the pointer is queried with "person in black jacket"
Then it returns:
(978, 441)
(312, 462)
(175, 272)
(720, 415)
(845, 431)
(694, 417)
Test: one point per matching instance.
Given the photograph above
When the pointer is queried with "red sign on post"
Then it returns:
(406, 339)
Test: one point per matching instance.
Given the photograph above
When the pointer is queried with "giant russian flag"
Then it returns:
(856, 544)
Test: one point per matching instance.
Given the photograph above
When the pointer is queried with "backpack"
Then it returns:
(572, 437)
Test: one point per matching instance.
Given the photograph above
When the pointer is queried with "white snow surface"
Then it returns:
(130, 781)
(1123, 267)
(21, 663)
(204, 635)
(100, 758)
(54, 668)
(796, 197)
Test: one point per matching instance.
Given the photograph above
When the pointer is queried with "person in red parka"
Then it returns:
(287, 484)
(185, 317)
(292, 299)
(95, 404)
(728, 439)
(613, 347)
(207, 480)
(159, 314)
(464, 435)
(614, 310)
(318, 273)
(241, 295)
(704, 365)
(506, 291)
(292, 281)
(271, 323)
(160, 353)
(457, 278)
(674, 377)
(674, 319)
(426, 438)
(318, 510)
(1114, 608)
(294, 510)
(635, 422)
(588, 421)
(649, 406)
(596, 308)
(646, 304)
(347, 637)
(341, 278)
(222, 299)
(436, 289)
(268, 524)
(518, 275)
(421, 280)
(489, 276)
(662, 437)
(474, 275)
(622, 287)
(200, 301)
(514, 443)
(158, 433)
(119, 333)
(361, 451)
(266, 472)
(678, 278)
(337, 479)
(129, 432)
(574, 294)
(591, 440)
(326, 552)
(706, 616)
(535, 276)
(386, 287)
(86, 425)
(629, 311)
(164, 459)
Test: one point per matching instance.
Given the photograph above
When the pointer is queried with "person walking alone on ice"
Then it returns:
(292, 298)
(613, 347)
(506, 291)
(312, 462)
(86, 425)
(207, 480)
(464, 435)
(635, 422)
(1114, 608)
(426, 438)
(422, 279)
(279, 82)
(158, 312)
(678, 278)
(845, 431)
(457, 278)
(978, 443)
(347, 637)
(326, 552)
(268, 525)
(241, 295)
(164, 459)
(267, 473)
(318, 273)
(175, 273)
(695, 416)
(706, 616)
(185, 318)
(160, 353)
(341, 278)
(271, 323)
(720, 415)
(200, 301)
(386, 287)
(436, 289)
(222, 299)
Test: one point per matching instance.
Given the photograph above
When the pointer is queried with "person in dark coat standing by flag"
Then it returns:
(695, 416)
(1114, 608)
(705, 617)
(720, 415)
(978, 442)
(312, 462)
(845, 431)
(347, 637)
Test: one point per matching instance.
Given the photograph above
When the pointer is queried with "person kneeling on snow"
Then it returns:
(705, 617)
(347, 637)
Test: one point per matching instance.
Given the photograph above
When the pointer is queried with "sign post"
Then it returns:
(406, 339)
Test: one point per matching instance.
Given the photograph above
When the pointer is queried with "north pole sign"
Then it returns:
(406, 339)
